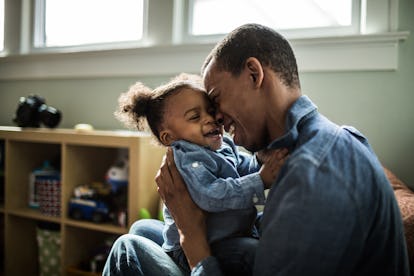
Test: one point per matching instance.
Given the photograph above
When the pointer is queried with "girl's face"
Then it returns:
(189, 115)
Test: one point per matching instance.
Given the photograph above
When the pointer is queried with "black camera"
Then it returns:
(32, 110)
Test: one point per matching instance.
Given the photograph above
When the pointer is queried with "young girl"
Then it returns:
(221, 180)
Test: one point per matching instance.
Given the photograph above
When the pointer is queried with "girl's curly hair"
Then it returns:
(142, 108)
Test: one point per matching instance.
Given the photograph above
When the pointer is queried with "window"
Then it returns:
(167, 38)
(294, 18)
(82, 22)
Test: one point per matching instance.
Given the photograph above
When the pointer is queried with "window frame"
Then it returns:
(38, 34)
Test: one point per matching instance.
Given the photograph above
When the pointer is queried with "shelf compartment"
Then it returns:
(84, 165)
(21, 159)
(81, 244)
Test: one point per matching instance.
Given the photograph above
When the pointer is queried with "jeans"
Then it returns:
(139, 253)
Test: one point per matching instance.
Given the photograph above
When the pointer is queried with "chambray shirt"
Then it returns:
(225, 183)
(332, 210)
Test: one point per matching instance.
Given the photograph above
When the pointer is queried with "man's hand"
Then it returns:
(189, 218)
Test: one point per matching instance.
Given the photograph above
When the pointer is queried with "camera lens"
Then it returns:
(49, 116)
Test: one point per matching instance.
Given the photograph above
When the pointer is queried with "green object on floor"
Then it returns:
(144, 214)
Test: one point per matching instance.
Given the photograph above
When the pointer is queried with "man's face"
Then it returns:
(237, 101)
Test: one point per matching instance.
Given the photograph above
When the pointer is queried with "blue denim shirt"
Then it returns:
(332, 210)
(225, 183)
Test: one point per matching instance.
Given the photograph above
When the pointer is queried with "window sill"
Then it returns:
(377, 52)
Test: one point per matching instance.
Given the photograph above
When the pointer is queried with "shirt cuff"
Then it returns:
(254, 182)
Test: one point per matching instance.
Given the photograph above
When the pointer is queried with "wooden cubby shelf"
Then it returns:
(82, 157)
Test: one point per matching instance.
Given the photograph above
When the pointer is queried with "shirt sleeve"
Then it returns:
(208, 266)
(246, 162)
(215, 194)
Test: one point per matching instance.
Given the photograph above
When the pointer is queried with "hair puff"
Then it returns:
(133, 106)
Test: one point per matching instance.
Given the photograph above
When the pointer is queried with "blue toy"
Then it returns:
(85, 205)
(117, 175)
(88, 209)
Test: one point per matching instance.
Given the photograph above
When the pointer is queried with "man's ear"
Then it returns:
(166, 137)
(255, 71)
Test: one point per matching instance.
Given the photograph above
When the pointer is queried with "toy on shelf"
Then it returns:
(44, 189)
(117, 178)
(117, 175)
(87, 205)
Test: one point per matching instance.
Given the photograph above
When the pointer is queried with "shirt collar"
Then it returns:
(301, 108)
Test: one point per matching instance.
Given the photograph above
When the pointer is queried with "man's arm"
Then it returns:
(189, 218)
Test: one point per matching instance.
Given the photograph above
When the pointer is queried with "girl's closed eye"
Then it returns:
(194, 117)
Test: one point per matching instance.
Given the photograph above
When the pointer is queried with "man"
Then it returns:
(332, 210)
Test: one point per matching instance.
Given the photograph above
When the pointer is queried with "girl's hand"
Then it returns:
(272, 161)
